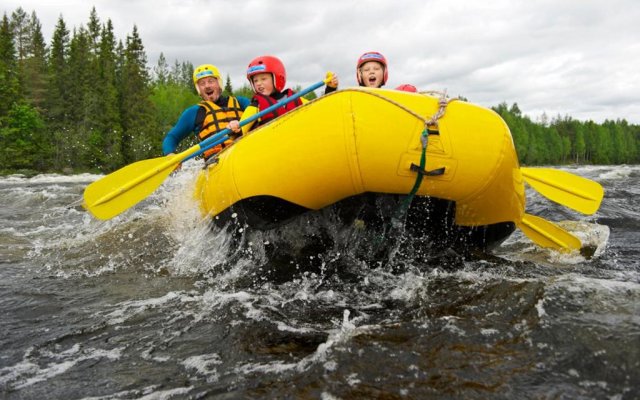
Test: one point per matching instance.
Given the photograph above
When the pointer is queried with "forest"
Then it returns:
(88, 102)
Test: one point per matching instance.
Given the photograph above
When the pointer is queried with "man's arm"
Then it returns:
(183, 128)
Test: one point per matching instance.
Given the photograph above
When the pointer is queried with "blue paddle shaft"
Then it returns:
(223, 135)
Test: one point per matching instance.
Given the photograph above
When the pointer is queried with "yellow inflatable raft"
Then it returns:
(367, 143)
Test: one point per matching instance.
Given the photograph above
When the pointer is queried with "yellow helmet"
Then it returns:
(204, 70)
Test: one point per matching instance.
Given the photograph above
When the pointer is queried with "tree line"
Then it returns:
(87, 101)
(564, 140)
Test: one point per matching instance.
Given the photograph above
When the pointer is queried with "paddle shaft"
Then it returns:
(223, 135)
(111, 194)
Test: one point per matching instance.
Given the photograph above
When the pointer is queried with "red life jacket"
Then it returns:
(265, 102)
(216, 119)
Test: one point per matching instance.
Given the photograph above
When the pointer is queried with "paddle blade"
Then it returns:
(547, 234)
(124, 188)
(570, 190)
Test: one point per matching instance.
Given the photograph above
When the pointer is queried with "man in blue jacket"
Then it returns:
(213, 114)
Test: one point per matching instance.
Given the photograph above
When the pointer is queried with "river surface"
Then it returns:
(155, 304)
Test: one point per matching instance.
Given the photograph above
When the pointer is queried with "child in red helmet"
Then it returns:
(372, 71)
(268, 78)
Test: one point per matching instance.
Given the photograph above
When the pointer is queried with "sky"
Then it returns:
(577, 58)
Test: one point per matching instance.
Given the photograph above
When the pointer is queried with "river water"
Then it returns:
(155, 304)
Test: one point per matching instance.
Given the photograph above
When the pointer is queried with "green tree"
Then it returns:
(94, 30)
(516, 126)
(566, 150)
(618, 149)
(9, 85)
(244, 91)
(161, 70)
(170, 100)
(580, 147)
(632, 146)
(602, 145)
(140, 139)
(228, 89)
(35, 66)
(182, 74)
(20, 29)
(105, 139)
(23, 140)
(78, 98)
(58, 108)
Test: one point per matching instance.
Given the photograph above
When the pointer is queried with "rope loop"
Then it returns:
(443, 102)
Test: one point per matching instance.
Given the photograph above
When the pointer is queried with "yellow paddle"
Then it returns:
(547, 234)
(124, 188)
(578, 193)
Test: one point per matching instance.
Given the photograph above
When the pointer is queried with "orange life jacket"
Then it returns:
(217, 118)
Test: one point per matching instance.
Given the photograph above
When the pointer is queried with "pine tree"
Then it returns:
(579, 147)
(228, 89)
(183, 75)
(77, 87)
(161, 71)
(94, 131)
(22, 139)
(9, 86)
(175, 76)
(94, 31)
(106, 135)
(35, 66)
(58, 108)
(19, 25)
(140, 137)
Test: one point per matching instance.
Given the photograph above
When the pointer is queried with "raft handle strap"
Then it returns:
(421, 171)
(433, 131)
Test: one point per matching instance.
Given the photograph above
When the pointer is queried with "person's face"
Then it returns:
(263, 83)
(209, 88)
(371, 74)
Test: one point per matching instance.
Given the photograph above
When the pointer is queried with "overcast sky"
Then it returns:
(569, 57)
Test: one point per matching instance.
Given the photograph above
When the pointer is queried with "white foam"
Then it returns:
(205, 365)
(27, 373)
(49, 178)
(618, 172)
(130, 309)
(580, 283)
(540, 308)
(167, 394)
(347, 329)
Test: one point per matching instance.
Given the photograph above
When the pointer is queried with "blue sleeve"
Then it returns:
(243, 101)
(184, 127)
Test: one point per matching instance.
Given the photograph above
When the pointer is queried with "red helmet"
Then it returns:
(407, 88)
(268, 65)
(372, 56)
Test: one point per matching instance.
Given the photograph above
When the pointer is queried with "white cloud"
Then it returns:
(570, 57)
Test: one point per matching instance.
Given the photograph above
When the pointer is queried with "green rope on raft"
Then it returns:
(406, 203)
(397, 220)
